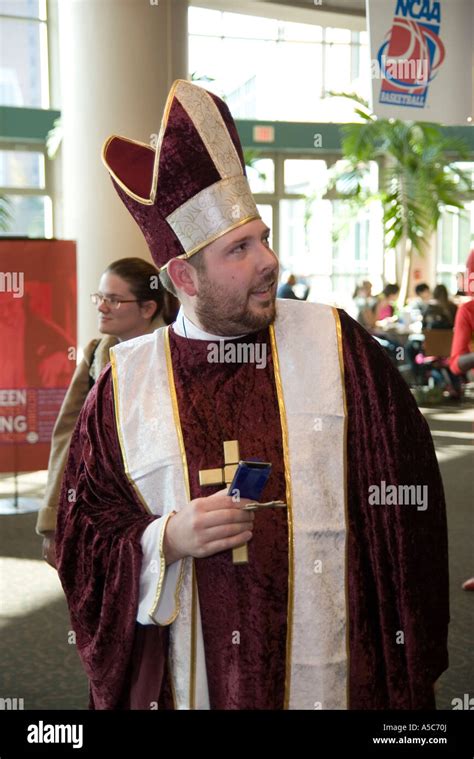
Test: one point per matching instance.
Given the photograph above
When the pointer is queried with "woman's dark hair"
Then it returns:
(143, 279)
(440, 293)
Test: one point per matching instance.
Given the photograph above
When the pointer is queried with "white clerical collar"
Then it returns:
(186, 328)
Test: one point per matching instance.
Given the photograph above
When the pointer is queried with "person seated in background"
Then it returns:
(373, 310)
(377, 314)
(441, 311)
(359, 302)
(385, 308)
(439, 315)
(460, 292)
(422, 297)
(367, 290)
(285, 290)
(130, 302)
(364, 303)
(463, 283)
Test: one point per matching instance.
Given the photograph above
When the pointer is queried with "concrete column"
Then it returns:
(118, 59)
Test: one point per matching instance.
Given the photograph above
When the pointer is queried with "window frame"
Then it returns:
(26, 145)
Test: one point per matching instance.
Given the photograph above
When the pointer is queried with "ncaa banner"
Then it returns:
(422, 59)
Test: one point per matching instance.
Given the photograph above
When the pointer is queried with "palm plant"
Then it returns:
(419, 179)
(54, 138)
(251, 158)
(5, 214)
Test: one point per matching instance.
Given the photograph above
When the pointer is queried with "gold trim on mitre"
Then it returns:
(213, 212)
(127, 190)
(211, 128)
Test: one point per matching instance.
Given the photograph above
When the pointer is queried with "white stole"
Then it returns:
(307, 352)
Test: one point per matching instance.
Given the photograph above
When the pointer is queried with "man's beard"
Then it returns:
(222, 311)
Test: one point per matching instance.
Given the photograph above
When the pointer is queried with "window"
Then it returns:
(31, 216)
(455, 233)
(261, 175)
(24, 185)
(455, 239)
(306, 176)
(23, 54)
(19, 168)
(266, 68)
(24, 84)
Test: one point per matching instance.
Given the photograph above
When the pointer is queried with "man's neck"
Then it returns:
(185, 327)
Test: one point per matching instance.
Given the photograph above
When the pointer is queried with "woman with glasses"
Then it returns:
(130, 302)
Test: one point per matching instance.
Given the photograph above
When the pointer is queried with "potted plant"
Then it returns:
(419, 178)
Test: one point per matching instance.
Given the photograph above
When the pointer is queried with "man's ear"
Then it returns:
(183, 276)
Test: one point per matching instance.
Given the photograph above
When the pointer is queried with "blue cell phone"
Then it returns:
(250, 479)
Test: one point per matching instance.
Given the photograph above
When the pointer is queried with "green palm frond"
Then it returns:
(419, 174)
(419, 179)
(5, 214)
(251, 156)
(54, 138)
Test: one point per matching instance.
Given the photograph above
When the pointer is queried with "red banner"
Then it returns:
(37, 346)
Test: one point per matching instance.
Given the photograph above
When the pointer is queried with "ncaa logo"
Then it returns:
(411, 54)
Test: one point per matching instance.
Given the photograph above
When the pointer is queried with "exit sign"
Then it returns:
(263, 134)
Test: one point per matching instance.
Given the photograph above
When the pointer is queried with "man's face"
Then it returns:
(237, 288)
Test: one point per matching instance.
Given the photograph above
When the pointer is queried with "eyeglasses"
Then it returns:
(111, 302)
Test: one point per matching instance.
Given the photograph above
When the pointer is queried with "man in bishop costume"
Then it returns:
(179, 596)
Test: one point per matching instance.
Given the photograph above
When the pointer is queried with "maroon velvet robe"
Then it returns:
(397, 555)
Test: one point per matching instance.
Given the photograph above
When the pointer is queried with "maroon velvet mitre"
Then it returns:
(191, 189)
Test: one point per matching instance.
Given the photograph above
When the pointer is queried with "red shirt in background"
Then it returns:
(463, 334)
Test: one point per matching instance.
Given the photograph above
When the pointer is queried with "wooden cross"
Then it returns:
(224, 476)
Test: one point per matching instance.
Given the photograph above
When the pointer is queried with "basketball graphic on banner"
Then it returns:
(422, 59)
(411, 56)
(409, 59)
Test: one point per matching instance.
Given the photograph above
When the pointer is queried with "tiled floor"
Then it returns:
(22, 493)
